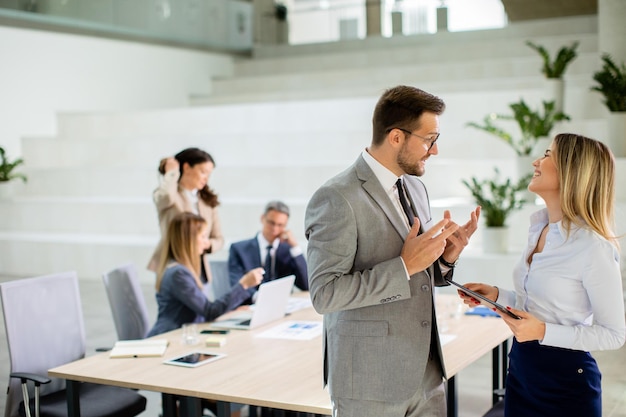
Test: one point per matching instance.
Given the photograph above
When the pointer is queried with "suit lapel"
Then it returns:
(372, 186)
(254, 248)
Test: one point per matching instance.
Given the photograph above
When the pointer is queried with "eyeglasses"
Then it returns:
(429, 141)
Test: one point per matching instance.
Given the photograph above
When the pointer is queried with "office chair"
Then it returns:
(44, 325)
(496, 411)
(220, 281)
(127, 302)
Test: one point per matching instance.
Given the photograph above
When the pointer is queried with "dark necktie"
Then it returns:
(268, 264)
(408, 210)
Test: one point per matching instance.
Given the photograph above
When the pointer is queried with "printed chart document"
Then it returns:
(294, 330)
(298, 303)
(139, 348)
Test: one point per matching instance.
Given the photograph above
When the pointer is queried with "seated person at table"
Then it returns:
(283, 258)
(179, 290)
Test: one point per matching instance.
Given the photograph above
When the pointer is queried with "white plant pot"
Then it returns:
(555, 91)
(616, 133)
(495, 239)
(6, 190)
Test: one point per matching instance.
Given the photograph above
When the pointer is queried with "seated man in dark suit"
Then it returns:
(283, 258)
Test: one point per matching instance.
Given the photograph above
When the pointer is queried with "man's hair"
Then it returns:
(277, 206)
(402, 106)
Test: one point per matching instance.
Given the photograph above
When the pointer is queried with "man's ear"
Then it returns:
(395, 137)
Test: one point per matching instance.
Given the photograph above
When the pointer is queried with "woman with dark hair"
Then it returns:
(184, 188)
(567, 285)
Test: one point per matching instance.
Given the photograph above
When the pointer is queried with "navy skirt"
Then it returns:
(552, 382)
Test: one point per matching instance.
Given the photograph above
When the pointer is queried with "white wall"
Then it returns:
(43, 73)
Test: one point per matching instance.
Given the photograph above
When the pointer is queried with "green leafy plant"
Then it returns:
(7, 167)
(280, 12)
(611, 81)
(497, 197)
(532, 124)
(555, 68)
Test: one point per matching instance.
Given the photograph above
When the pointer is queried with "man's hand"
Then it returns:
(459, 239)
(287, 236)
(420, 251)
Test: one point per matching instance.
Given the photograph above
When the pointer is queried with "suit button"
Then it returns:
(425, 288)
(425, 323)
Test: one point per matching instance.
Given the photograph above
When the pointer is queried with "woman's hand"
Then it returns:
(168, 164)
(527, 329)
(252, 278)
(487, 290)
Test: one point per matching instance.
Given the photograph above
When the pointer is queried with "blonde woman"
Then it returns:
(568, 287)
(184, 188)
(179, 289)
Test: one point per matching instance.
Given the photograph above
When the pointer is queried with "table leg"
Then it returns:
(190, 407)
(169, 405)
(72, 392)
(499, 362)
(451, 397)
(223, 409)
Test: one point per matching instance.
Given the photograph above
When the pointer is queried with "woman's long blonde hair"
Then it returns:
(181, 245)
(586, 170)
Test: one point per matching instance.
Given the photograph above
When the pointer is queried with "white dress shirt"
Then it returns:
(574, 285)
(388, 181)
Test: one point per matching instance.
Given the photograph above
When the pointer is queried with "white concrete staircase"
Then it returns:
(278, 129)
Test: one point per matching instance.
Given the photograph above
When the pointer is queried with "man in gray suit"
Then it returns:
(374, 256)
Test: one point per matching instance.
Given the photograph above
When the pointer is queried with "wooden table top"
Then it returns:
(276, 373)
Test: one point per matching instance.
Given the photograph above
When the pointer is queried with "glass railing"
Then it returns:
(317, 21)
(206, 24)
(228, 24)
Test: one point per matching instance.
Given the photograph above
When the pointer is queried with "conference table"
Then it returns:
(273, 372)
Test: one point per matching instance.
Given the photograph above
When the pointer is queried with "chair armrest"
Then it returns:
(36, 378)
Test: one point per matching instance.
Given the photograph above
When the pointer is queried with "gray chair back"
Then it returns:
(127, 302)
(44, 325)
(220, 281)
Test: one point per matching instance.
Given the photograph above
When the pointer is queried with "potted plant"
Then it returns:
(7, 168)
(554, 69)
(282, 25)
(611, 81)
(498, 198)
(535, 127)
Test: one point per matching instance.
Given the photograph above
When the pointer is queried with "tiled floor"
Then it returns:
(473, 382)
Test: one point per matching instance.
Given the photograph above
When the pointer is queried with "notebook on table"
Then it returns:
(271, 305)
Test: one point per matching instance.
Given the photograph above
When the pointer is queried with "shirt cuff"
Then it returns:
(295, 251)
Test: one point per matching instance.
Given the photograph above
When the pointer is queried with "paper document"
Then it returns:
(298, 303)
(139, 348)
(446, 338)
(295, 330)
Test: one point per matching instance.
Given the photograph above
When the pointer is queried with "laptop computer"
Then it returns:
(271, 305)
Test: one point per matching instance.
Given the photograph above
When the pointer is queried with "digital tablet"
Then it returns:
(194, 359)
(484, 299)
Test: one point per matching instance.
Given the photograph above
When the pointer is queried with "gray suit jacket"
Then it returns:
(377, 324)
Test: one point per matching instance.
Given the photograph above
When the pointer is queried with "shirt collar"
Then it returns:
(263, 243)
(386, 178)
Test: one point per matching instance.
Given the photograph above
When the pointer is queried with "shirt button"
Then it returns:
(580, 371)
(425, 287)
(425, 323)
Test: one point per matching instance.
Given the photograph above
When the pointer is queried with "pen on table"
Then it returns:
(212, 331)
